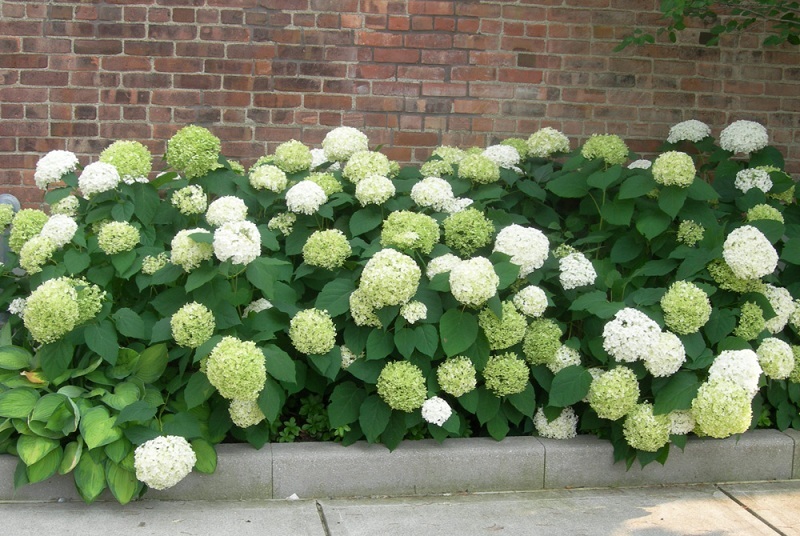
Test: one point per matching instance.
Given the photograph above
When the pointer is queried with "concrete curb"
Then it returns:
(458, 465)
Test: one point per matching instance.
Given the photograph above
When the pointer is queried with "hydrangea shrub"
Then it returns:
(535, 287)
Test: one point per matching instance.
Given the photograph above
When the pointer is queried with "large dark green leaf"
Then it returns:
(570, 385)
(458, 330)
(345, 404)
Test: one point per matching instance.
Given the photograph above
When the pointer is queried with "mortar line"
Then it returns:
(323, 519)
(750, 510)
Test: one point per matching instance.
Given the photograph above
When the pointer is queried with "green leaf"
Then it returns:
(271, 400)
(121, 482)
(98, 427)
(570, 385)
(129, 323)
(262, 274)
(31, 449)
(427, 339)
(652, 224)
(791, 251)
(46, 467)
(138, 411)
(570, 185)
(15, 358)
(76, 261)
(365, 220)
(525, 401)
(677, 392)
(123, 261)
(152, 363)
(498, 426)
(206, 456)
(90, 478)
(458, 330)
(700, 190)
(404, 339)
(671, 200)
(636, 186)
(101, 338)
(507, 272)
(146, 201)
(626, 249)
(618, 212)
(335, 297)
(72, 455)
(373, 417)
(17, 403)
(488, 405)
(345, 404)
(656, 267)
(379, 344)
(125, 393)
(55, 358)
(198, 390)
(279, 364)
(604, 178)
(202, 275)
(182, 424)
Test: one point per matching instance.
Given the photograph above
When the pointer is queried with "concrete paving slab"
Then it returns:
(144, 518)
(795, 435)
(414, 468)
(663, 511)
(777, 503)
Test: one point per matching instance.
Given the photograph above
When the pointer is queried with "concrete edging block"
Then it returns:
(795, 436)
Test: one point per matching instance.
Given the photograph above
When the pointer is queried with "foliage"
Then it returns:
(306, 351)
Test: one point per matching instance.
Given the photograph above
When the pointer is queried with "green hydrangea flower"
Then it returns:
(402, 386)
(236, 167)
(236, 368)
(436, 168)
(190, 200)
(194, 151)
(35, 253)
(283, 223)
(326, 249)
(312, 332)
(794, 376)
(690, 232)
(467, 231)
(90, 299)
(26, 224)
(118, 237)
(362, 309)
(751, 322)
(478, 169)
(674, 168)
(410, 230)
(505, 331)
(609, 147)
(542, 341)
(725, 278)
(645, 431)
(192, 325)
(457, 376)
(506, 374)
(153, 263)
(51, 311)
(414, 311)
(519, 144)
(245, 413)
(764, 212)
(187, 253)
(327, 181)
(292, 156)
(132, 160)
(721, 409)
(389, 278)
(776, 358)
(614, 394)
(67, 206)
(6, 214)
(686, 307)
(547, 141)
(449, 154)
(363, 164)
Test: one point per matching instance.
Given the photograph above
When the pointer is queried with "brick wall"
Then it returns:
(412, 74)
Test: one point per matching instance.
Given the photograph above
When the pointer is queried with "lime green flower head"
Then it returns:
(547, 141)
(409, 230)
(362, 309)
(505, 331)
(614, 394)
(449, 154)
(190, 200)
(90, 299)
(519, 144)
(118, 237)
(542, 341)
(479, 169)
(721, 409)
(326, 249)
(506, 374)
(187, 253)
(690, 232)
(153, 263)
(68, 206)
(192, 325)
(245, 413)
(194, 151)
(312, 332)
(414, 311)
(402, 386)
(751, 322)
(237, 369)
(283, 223)
(35, 253)
(609, 147)
(26, 224)
(674, 168)
(776, 358)
(436, 168)
(456, 375)
(132, 160)
(6, 214)
(727, 280)
(794, 376)
(467, 231)
(764, 212)
(293, 156)
(645, 431)
(363, 164)
(327, 181)
(389, 278)
(686, 307)
(51, 311)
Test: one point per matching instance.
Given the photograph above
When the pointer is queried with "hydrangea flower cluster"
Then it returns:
(363, 164)
(782, 304)
(436, 168)
(414, 311)
(54, 165)
(256, 306)
(328, 182)
(681, 422)
(478, 169)
(226, 209)
(506, 374)
(236, 368)
(238, 242)
(520, 144)
(404, 229)
(776, 358)
(187, 253)
(743, 137)
(686, 307)
(614, 394)
(153, 263)
(609, 147)
(640, 164)
(282, 223)
(193, 151)
(35, 253)
(473, 281)
(292, 157)
(546, 142)
(691, 130)
(748, 179)
(674, 168)
(436, 411)
(721, 408)
(318, 159)
(725, 279)
(98, 177)
(67, 206)
(26, 224)
(645, 431)
(457, 376)
(245, 413)
(751, 321)
(504, 331)
(118, 237)
(467, 231)
(630, 335)
(192, 325)
(268, 177)
(542, 341)
(389, 278)
(749, 253)
(402, 386)
(690, 232)
(51, 311)
(305, 197)
(531, 301)
(739, 366)
(190, 200)
(666, 356)
(449, 154)
(441, 265)
(340, 143)
(132, 160)
(575, 270)
(764, 212)
(527, 247)
(312, 332)
(60, 229)
(349, 357)
(374, 190)
(433, 192)
(326, 249)
(565, 426)
(163, 461)
(505, 156)
(564, 357)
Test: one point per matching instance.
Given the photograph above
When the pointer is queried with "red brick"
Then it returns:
(23, 61)
(428, 41)
(376, 72)
(125, 63)
(431, 7)
(396, 55)
(405, 89)
(418, 72)
(475, 107)
(44, 78)
(378, 39)
(149, 48)
(328, 102)
(445, 57)
(97, 46)
(473, 73)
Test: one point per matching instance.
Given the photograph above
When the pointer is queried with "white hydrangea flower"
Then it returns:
(60, 229)
(565, 357)
(630, 335)
(256, 306)
(441, 265)
(740, 366)
(341, 142)
(547, 141)
(226, 209)
(374, 190)
(576, 271)
(776, 358)
(433, 192)
(504, 156)
(749, 253)
(318, 159)
(531, 301)
(436, 411)
(164, 461)
(98, 177)
(67, 206)
(640, 164)
(17, 306)
(348, 357)
(666, 355)
(305, 197)
(414, 311)
(681, 422)
(268, 177)
(782, 303)
(747, 179)
(457, 205)
(565, 426)
(54, 165)
(527, 247)
(238, 242)
(691, 130)
(743, 137)
(473, 281)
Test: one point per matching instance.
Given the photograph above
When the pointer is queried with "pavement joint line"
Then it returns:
(323, 519)
(750, 510)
